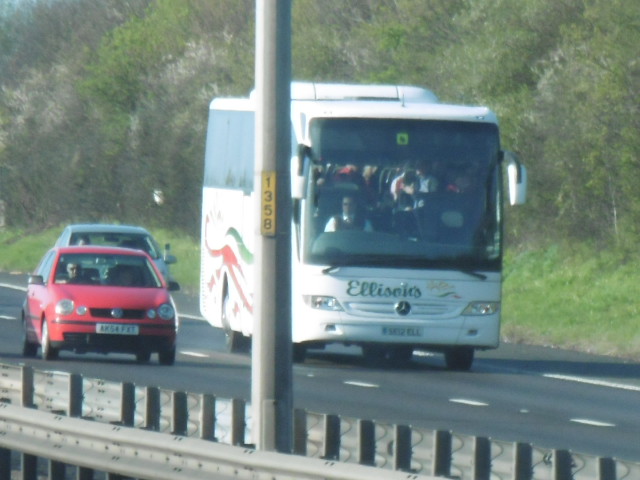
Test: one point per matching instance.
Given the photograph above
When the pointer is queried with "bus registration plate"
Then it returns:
(402, 331)
(117, 329)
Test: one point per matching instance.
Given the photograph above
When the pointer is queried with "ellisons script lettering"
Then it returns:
(356, 288)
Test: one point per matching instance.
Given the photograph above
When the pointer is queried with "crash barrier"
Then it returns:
(75, 448)
(391, 449)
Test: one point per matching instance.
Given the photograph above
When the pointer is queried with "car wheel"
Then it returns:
(48, 352)
(459, 358)
(28, 349)
(143, 357)
(167, 357)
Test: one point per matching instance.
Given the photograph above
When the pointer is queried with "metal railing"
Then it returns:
(329, 439)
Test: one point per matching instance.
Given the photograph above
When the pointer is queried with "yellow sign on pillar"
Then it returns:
(268, 208)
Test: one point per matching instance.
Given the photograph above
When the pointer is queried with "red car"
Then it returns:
(99, 299)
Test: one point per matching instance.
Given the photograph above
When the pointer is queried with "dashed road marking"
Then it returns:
(466, 401)
(194, 354)
(593, 423)
(593, 381)
(361, 384)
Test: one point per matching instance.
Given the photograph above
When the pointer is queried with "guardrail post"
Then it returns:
(523, 461)
(128, 404)
(402, 448)
(331, 446)
(27, 386)
(75, 395)
(152, 409)
(366, 442)
(5, 463)
(300, 434)
(29, 466)
(208, 417)
(57, 470)
(238, 421)
(84, 473)
(180, 415)
(481, 458)
(606, 469)
(562, 464)
(442, 453)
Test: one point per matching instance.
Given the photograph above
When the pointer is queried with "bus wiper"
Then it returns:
(473, 273)
(331, 269)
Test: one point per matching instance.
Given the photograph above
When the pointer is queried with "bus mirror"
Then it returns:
(300, 172)
(298, 190)
(517, 175)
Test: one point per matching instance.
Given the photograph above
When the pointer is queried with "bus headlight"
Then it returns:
(482, 308)
(320, 302)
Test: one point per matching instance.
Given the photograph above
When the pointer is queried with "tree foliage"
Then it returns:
(104, 103)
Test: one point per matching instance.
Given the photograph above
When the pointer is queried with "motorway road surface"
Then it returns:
(548, 397)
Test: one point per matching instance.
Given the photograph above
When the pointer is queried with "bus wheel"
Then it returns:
(459, 358)
(236, 341)
(299, 353)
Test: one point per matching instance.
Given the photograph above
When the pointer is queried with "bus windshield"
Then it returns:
(403, 193)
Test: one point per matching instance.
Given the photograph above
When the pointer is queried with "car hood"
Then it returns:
(103, 296)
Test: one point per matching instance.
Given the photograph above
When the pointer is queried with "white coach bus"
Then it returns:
(397, 225)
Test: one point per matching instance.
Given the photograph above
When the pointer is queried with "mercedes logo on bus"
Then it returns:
(403, 308)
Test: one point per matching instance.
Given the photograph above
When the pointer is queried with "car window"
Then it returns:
(106, 269)
(136, 241)
(44, 268)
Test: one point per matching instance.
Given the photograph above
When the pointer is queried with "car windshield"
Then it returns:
(106, 269)
(139, 241)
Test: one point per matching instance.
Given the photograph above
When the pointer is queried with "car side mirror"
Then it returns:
(173, 286)
(35, 280)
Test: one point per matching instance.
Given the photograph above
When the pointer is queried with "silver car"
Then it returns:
(127, 236)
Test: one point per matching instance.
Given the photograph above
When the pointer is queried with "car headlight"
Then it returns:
(321, 302)
(64, 307)
(166, 311)
(482, 308)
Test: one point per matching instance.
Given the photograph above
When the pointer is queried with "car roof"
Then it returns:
(101, 250)
(106, 228)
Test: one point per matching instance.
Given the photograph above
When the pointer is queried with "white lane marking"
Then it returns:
(192, 317)
(593, 423)
(194, 354)
(465, 401)
(7, 317)
(14, 287)
(593, 381)
(355, 383)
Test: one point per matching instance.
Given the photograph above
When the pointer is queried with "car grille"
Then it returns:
(126, 313)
